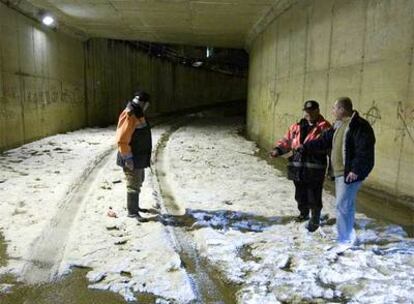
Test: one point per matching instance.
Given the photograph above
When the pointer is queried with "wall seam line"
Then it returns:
(407, 94)
(328, 71)
(306, 54)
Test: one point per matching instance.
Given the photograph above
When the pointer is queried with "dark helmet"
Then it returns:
(140, 96)
(311, 105)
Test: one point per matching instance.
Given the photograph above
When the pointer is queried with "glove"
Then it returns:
(300, 149)
(129, 163)
(274, 152)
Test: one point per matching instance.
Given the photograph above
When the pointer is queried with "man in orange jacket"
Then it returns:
(133, 136)
(307, 170)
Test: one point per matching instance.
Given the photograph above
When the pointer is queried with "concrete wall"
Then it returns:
(41, 81)
(52, 83)
(324, 49)
(115, 69)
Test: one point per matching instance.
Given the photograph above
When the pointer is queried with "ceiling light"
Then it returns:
(48, 20)
(209, 52)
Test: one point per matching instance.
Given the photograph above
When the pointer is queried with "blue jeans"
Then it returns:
(345, 209)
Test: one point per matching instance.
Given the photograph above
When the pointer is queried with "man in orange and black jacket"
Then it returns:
(306, 170)
(133, 136)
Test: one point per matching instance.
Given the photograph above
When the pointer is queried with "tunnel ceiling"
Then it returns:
(206, 22)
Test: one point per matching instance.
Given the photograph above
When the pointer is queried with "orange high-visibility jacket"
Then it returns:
(291, 140)
(307, 167)
(127, 124)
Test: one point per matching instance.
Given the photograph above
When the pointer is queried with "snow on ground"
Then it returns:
(236, 207)
(35, 180)
(244, 209)
(126, 256)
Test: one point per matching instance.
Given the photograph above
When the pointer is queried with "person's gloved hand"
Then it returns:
(274, 153)
(129, 163)
(300, 149)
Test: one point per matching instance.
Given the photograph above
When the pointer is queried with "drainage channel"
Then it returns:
(207, 285)
(49, 247)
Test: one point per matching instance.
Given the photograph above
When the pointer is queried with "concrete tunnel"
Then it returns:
(80, 71)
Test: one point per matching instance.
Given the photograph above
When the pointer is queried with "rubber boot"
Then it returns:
(313, 223)
(132, 204)
(304, 216)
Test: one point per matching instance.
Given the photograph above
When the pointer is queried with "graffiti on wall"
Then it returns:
(43, 93)
(405, 117)
(373, 114)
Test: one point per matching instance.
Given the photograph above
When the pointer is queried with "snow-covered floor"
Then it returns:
(236, 208)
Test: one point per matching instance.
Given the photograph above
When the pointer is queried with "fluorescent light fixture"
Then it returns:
(197, 64)
(209, 52)
(48, 20)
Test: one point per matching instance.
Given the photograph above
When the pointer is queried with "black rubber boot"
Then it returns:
(304, 216)
(314, 221)
(132, 204)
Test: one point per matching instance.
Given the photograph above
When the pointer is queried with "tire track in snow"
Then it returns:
(47, 250)
(207, 286)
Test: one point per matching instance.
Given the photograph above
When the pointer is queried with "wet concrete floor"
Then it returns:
(72, 289)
